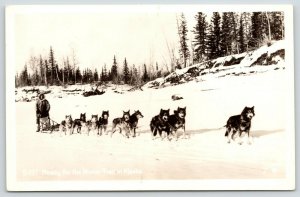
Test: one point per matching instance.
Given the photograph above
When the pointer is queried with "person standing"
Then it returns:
(42, 109)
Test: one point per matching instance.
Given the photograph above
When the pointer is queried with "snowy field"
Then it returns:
(204, 155)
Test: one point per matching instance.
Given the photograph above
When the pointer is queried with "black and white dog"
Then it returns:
(79, 123)
(122, 124)
(67, 125)
(177, 121)
(93, 124)
(103, 121)
(239, 124)
(160, 125)
(133, 121)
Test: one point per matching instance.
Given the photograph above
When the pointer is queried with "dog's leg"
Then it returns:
(228, 131)
(133, 132)
(183, 128)
(248, 138)
(153, 132)
(98, 130)
(105, 129)
(113, 130)
(240, 139)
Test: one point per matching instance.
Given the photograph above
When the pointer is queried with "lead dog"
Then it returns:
(239, 124)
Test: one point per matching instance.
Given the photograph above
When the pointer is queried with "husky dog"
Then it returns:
(122, 123)
(93, 123)
(67, 125)
(133, 121)
(177, 121)
(103, 121)
(159, 124)
(240, 123)
(78, 123)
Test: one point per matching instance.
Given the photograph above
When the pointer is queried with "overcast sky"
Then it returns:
(97, 37)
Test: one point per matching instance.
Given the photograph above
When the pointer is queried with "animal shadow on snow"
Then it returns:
(260, 133)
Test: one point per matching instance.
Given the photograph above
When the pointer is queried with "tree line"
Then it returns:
(224, 34)
(228, 33)
(46, 71)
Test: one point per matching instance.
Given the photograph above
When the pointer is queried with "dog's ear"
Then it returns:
(252, 108)
(168, 110)
(129, 111)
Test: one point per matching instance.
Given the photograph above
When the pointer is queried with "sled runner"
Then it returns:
(47, 125)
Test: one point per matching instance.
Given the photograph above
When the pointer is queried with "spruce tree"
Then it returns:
(182, 32)
(114, 71)
(52, 65)
(200, 37)
(145, 76)
(241, 39)
(226, 35)
(96, 76)
(126, 73)
(214, 37)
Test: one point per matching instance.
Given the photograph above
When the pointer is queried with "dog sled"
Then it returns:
(48, 125)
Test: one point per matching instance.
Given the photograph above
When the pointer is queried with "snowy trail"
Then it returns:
(205, 155)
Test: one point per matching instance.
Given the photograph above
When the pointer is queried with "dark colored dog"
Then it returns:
(160, 124)
(122, 124)
(177, 121)
(240, 123)
(103, 121)
(78, 123)
(133, 121)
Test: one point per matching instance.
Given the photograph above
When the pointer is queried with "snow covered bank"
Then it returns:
(261, 60)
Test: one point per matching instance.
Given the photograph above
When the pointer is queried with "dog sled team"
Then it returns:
(162, 125)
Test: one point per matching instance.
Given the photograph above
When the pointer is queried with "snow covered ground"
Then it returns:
(204, 155)
(210, 100)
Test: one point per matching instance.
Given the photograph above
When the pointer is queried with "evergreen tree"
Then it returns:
(126, 73)
(214, 37)
(277, 25)
(200, 37)
(241, 39)
(114, 71)
(226, 35)
(234, 32)
(42, 71)
(52, 65)
(145, 76)
(25, 78)
(78, 74)
(96, 76)
(259, 29)
(182, 32)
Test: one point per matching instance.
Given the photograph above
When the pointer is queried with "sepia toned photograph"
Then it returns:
(152, 97)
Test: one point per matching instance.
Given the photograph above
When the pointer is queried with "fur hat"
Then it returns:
(41, 96)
